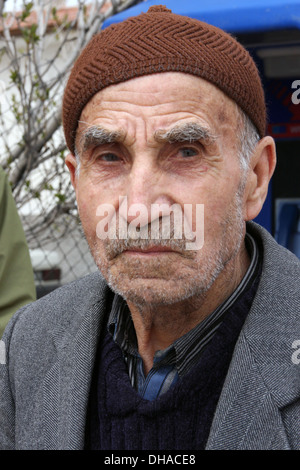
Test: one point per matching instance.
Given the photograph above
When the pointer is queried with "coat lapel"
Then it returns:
(66, 386)
(246, 416)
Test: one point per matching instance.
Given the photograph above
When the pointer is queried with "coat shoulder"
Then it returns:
(60, 309)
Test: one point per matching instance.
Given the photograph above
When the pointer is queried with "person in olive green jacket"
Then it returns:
(17, 286)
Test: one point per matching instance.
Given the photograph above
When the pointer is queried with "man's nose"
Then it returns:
(145, 189)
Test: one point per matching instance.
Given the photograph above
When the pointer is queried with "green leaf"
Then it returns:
(60, 197)
(14, 76)
(29, 34)
(27, 10)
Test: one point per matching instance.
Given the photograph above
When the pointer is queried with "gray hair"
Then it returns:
(248, 139)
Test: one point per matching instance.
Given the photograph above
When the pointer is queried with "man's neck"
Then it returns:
(158, 326)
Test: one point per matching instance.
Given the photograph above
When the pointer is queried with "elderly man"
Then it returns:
(185, 340)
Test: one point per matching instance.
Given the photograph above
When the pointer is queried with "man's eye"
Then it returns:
(109, 157)
(187, 152)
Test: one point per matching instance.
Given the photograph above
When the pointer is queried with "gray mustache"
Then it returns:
(142, 240)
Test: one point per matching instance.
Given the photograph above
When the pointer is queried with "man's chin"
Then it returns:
(152, 292)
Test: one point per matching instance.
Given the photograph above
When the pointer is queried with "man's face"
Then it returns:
(167, 138)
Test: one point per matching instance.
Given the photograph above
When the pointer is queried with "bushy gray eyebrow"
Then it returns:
(189, 132)
(96, 135)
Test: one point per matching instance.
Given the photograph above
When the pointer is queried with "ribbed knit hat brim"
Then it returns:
(160, 41)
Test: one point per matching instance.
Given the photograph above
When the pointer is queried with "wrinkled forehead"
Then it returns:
(170, 92)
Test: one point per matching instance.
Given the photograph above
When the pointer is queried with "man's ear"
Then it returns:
(72, 165)
(262, 166)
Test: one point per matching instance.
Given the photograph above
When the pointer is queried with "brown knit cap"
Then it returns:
(160, 41)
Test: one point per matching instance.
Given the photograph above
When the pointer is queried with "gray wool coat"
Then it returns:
(50, 350)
